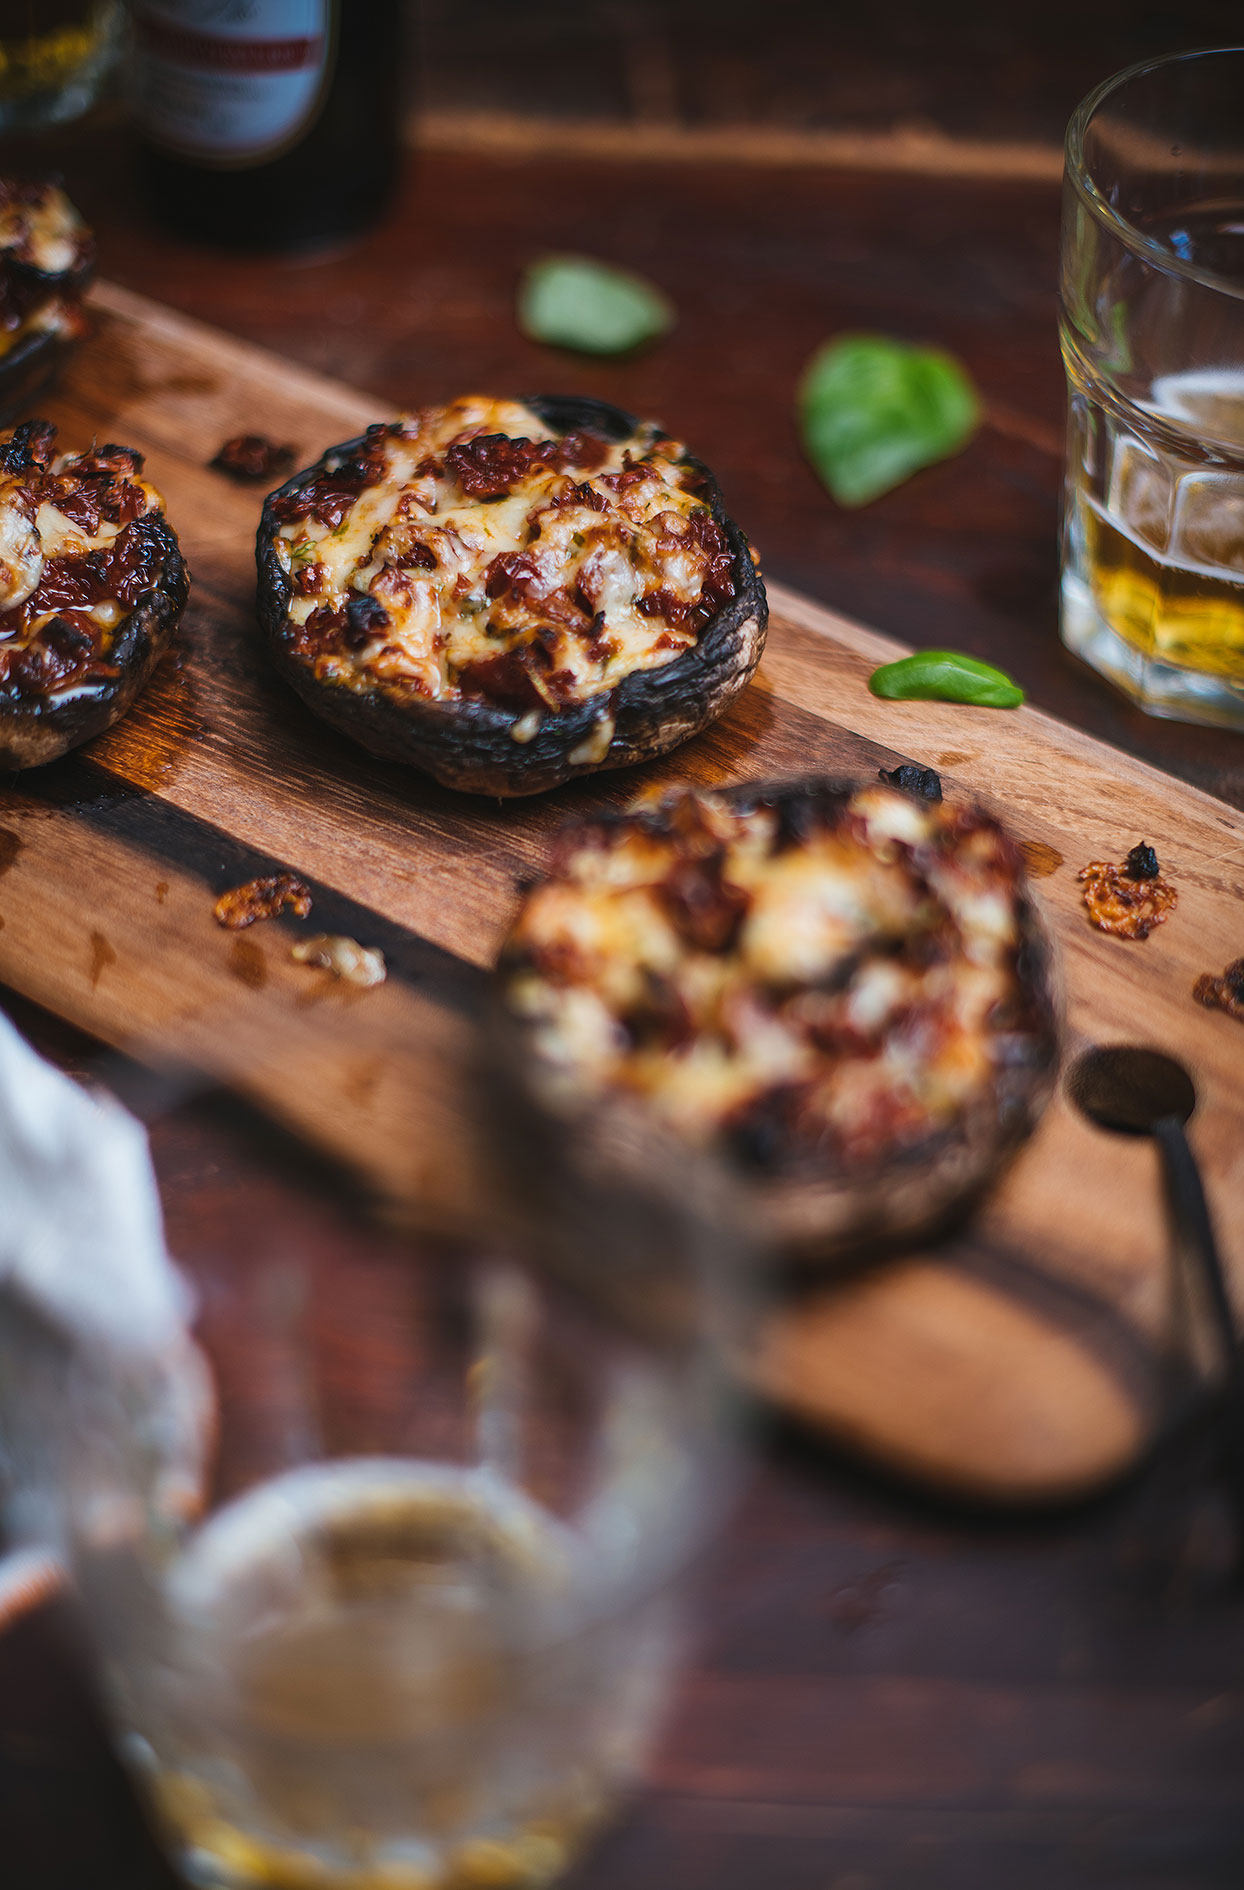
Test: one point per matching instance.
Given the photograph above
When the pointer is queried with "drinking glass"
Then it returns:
(397, 1605)
(55, 56)
(1152, 325)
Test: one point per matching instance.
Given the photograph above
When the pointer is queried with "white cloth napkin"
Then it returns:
(83, 1266)
(81, 1234)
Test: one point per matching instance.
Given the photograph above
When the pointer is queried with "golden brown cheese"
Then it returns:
(469, 550)
(832, 977)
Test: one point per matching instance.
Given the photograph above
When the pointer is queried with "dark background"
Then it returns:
(889, 1695)
(976, 70)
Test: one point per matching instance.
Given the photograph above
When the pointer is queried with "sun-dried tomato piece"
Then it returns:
(107, 462)
(515, 679)
(581, 494)
(581, 452)
(252, 456)
(492, 464)
(309, 578)
(27, 447)
(509, 571)
(1124, 906)
(123, 570)
(60, 653)
(263, 899)
(629, 476)
(705, 909)
(661, 1018)
(330, 497)
(81, 506)
(1225, 993)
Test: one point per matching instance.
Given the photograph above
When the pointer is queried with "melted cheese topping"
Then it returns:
(576, 573)
(839, 994)
(59, 611)
(34, 537)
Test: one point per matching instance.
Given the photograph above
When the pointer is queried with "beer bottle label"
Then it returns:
(230, 82)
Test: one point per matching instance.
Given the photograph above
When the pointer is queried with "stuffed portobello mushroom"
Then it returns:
(47, 255)
(92, 584)
(506, 594)
(841, 993)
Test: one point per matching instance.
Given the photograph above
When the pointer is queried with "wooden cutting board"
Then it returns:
(1032, 1356)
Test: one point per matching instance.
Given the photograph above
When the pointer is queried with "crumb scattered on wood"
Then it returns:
(1128, 900)
(344, 957)
(263, 899)
(1225, 993)
(252, 456)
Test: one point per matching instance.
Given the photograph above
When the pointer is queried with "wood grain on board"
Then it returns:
(1030, 1356)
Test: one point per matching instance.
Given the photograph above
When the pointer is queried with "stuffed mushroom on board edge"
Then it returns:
(47, 258)
(509, 594)
(92, 586)
(840, 995)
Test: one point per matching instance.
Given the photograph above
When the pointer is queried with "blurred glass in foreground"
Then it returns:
(54, 58)
(1153, 340)
(402, 1610)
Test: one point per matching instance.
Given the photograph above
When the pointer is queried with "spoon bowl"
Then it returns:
(1130, 1089)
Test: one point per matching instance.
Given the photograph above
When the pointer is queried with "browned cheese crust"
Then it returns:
(92, 585)
(507, 593)
(1225, 993)
(842, 991)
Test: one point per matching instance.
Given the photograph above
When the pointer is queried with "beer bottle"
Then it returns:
(268, 124)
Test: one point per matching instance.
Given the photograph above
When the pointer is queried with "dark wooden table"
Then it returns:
(887, 1694)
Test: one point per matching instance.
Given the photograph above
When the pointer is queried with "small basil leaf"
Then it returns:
(574, 302)
(945, 676)
(873, 411)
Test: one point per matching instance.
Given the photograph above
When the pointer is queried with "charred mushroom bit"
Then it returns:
(926, 782)
(842, 989)
(262, 899)
(505, 594)
(1225, 993)
(92, 585)
(344, 957)
(46, 258)
(1128, 901)
(251, 457)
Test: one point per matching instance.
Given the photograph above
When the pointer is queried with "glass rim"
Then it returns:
(1076, 173)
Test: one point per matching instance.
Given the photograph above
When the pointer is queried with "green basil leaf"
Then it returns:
(873, 411)
(945, 676)
(574, 302)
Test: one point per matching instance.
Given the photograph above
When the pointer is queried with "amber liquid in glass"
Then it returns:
(370, 1685)
(53, 54)
(1153, 585)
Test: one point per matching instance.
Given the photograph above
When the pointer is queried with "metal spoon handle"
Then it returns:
(1190, 1213)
